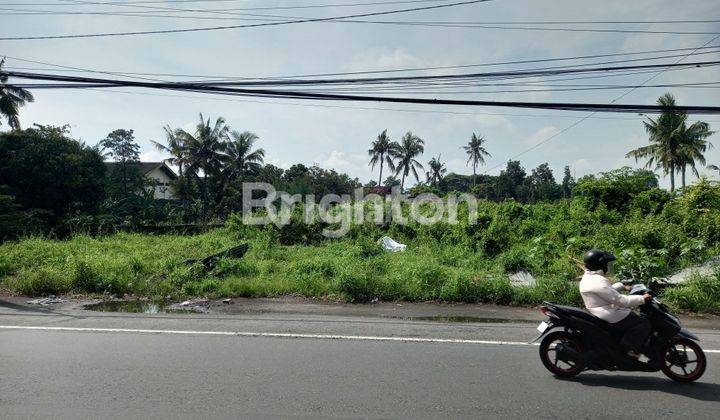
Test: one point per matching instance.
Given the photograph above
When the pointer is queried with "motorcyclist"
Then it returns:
(604, 300)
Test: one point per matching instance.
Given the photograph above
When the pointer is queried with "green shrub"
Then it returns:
(86, 279)
(41, 282)
(238, 267)
(698, 294)
(514, 260)
(357, 287)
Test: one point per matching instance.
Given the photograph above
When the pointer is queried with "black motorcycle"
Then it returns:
(573, 340)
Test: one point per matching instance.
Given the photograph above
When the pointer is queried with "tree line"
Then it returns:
(49, 179)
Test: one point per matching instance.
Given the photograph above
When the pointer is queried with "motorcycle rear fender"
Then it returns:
(553, 324)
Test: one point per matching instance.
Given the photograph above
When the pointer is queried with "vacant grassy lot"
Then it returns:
(653, 234)
(155, 266)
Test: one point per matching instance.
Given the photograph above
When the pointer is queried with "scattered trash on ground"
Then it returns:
(52, 300)
(705, 269)
(389, 244)
(211, 261)
(197, 305)
(522, 278)
(227, 301)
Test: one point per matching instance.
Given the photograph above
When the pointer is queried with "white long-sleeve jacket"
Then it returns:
(603, 299)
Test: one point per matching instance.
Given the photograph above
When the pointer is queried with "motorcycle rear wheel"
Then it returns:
(678, 365)
(548, 354)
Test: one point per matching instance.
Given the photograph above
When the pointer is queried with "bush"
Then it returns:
(41, 282)
(651, 201)
(514, 260)
(698, 294)
(357, 287)
(45, 169)
(462, 262)
(86, 279)
(615, 189)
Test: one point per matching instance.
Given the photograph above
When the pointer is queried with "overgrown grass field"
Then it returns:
(653, 235)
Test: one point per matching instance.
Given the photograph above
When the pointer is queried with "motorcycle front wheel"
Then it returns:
(560, 366)
(683, 360)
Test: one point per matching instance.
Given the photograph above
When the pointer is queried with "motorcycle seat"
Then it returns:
(584, 315)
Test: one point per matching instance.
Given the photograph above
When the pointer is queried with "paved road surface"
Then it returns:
(83, 365)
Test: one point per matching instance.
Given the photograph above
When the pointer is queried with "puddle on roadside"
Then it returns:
(458, 319)
(140, 307)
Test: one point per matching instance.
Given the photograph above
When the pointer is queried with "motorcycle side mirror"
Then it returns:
(639, 289)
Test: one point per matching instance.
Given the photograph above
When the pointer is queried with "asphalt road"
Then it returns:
(75, 364)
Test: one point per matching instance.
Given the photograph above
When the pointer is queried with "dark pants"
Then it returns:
(636, 330)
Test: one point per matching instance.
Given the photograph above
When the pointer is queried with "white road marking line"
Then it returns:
(279, 335)
(268, 334)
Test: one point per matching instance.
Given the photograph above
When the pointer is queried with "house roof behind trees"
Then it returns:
(145, 168)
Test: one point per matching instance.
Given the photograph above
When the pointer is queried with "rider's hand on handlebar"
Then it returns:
(647, 296)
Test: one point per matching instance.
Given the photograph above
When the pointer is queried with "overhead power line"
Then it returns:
(144, 2)
(229, 14)
(705, 50)
(307, 6)
(512, 73)
(592, 114)
(254, 25)
(274, 19)
(203, 88)
(307, 104)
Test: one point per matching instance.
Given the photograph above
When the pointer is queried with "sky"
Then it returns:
(337, 135)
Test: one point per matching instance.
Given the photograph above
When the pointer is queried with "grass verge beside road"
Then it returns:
(154, 266)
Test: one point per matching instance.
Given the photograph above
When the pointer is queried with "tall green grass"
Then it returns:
(149, 265)
(454, 262)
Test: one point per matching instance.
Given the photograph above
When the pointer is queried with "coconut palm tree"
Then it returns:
(382, 151)
(693, 145)
(436, 172)
(240, 158)
(175, 147)
(664, 148)
(409, 148)
(12, 99)
(476, 153)
(714, 168)
(204, 149)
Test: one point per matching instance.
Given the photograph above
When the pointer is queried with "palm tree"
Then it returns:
(11, 99)
(204, 149)
(668, 133)
(409, 148)
(239, 156)
(476, 152)
(175, 147)
(693, 146)
(382, 151)
(714, 168)
(436, 172)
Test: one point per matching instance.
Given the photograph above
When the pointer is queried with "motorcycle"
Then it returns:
(573, 340)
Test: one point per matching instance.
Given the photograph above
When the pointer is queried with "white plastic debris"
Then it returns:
(390, 244)
(705, 269)
(46, 301)
(199, 305)
(522, 278)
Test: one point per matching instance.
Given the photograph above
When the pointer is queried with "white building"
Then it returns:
(159, 174)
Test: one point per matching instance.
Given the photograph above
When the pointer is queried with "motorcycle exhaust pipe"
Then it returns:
(566, 353)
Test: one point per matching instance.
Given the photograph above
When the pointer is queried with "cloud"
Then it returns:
(580, 167)
(541, 135)
(353, 164)
(153, 156)
(384, 59)
(336, 159)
